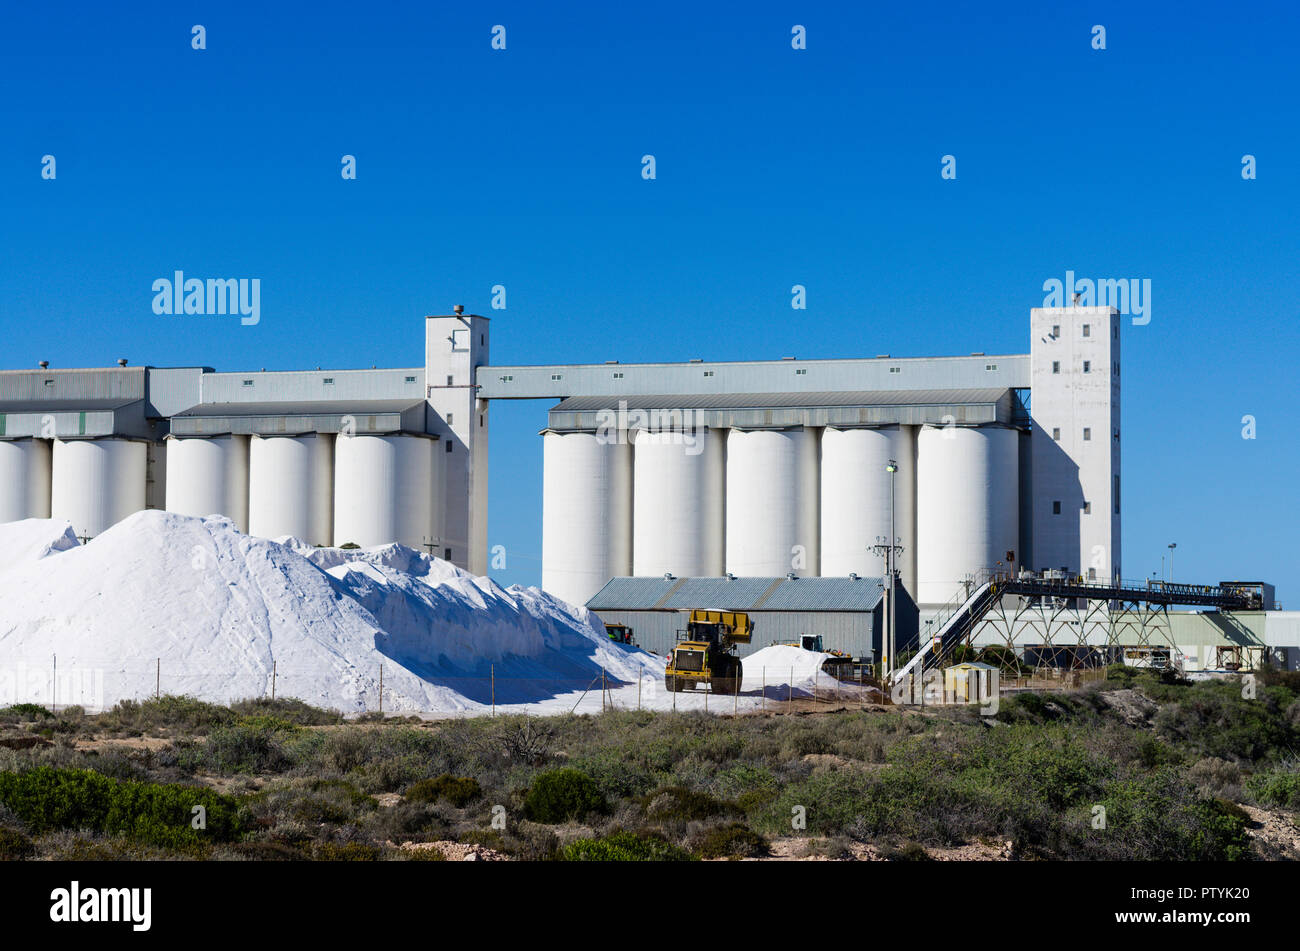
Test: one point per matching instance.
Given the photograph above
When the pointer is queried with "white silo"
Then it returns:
(772, 512)
(97, 482)
(24, 479)
(291, 487)
(855, 500)
(209, 476)
(384, 490)
(677, 491)
(586, 513)
(968, 519)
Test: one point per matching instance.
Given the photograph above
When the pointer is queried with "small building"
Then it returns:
(849, 613)
(972, 682)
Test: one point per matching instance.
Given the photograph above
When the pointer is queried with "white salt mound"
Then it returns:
(782, 666)
(214, 611)
(32, 539)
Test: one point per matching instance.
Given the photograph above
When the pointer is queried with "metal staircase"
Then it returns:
(956, 621)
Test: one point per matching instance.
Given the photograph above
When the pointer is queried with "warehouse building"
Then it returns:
(848, 613)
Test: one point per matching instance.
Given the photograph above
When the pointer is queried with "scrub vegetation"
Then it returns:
(1134, 767)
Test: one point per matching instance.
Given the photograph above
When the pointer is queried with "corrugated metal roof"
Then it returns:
(739, 594)
(313, 408)
(779, 400)
(65, 405)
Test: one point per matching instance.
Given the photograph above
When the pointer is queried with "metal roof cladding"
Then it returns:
(781, 400)
(739, 594)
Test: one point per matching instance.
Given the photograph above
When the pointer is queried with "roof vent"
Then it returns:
(853, 576)
(730, 576)
(790, 576)
(668, 576)
(44, 364)
(458, 309)
(121, 362)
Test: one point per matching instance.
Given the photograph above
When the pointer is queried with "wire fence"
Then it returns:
(97, 684)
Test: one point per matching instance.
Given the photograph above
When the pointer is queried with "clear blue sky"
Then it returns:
(775, 167)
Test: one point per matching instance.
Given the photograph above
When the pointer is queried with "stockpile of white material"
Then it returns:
(781, 668)
(190, 605)
(33, 538)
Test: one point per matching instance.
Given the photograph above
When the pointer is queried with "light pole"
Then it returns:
(892, 469)
(1172, 546)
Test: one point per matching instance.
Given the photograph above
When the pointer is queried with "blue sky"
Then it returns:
(775, 167)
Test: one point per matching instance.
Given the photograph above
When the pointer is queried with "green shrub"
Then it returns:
(244, 749)
(289, 709)
(26, 711)
(756, 799)
(1279, 787)
(560, 795)
(731, 841)
(1214, 719)
(457, 790)
(488, 838)
(14, 845)
(346, 852)
(186, 714)
(907, 852)
(679, 804)
(620, 846)
(47, 799)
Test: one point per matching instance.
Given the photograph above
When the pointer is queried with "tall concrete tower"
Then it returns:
(455, 346)
(1075, 443)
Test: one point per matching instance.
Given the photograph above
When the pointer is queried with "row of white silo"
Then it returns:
(321, 489)
(92, 483)
(366, 489)
(768, 502)
(855, 502)
(968, 512)
(24, 479)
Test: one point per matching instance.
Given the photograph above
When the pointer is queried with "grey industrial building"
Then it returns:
(848, 613)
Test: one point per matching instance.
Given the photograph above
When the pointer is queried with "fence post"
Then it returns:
(381, 689)
(157, 680)
(273, 663)
(640, 677)
(765, 690)
(789, 693)
(493, 672)
(602, 688)
(54, 686)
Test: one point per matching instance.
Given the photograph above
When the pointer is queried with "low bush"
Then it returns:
(735, 840)
(14, 845)
(48, 799)
(184, 714)
(679, 804)
(25, 711)
(288, 709)
(907, 852)
(1279, 787)
(346, 852)
(241, 748)
(621, 846)
(457, 790)
(560, 795)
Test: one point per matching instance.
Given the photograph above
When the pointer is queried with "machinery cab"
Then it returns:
(620, 634)
(811, 642)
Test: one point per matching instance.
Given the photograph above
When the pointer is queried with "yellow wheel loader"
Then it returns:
(706, 652)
